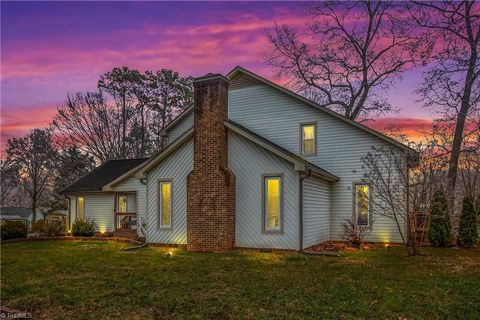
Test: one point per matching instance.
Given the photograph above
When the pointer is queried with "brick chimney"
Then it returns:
(211, 184)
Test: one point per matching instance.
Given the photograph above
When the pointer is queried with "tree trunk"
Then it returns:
(460, 125)
(34, 208)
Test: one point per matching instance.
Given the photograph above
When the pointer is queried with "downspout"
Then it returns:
(309, 174)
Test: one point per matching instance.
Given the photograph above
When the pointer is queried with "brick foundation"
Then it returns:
(211, 184)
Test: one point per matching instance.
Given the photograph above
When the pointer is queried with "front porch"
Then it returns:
(125, 215)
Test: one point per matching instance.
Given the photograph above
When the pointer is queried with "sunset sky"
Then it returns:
(51, 49)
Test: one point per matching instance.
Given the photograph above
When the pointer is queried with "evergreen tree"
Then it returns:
(440, 226)
(468, 233)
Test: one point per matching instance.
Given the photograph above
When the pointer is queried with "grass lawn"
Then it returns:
(95, 280)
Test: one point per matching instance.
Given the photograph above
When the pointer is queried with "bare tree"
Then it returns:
(88, 122)
(403, 184)
(9, 180)
(350, 55)
(452, 84)
(125, 117)
(33, 155)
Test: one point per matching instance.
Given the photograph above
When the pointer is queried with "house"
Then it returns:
(250, 165)
(57, 215)
(19, 214)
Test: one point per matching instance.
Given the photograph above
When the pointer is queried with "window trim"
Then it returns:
(282, 199)
(158, 213)
(315, 140)
(354, 203)
(77, 206)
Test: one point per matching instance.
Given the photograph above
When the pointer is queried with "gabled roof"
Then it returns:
(177, 119)
(300, 163)
(102, 175)
(143, 170)
(239, 70)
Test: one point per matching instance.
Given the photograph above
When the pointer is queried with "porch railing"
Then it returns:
(126, 220)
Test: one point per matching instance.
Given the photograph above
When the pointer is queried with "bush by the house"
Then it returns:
(83, 227)
(13, 230)
(38, 227)
(439, 231)
(353, 233)
(467, 232)
(55, 228)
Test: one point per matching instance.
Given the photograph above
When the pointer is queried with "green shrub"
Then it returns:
(13, 230)
(467, 232)
(439, 231)
(38, 227)
(55, 228)
(83, 227)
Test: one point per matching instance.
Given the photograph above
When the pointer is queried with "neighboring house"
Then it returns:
(58, 215)
(19, 214)
(251, 165)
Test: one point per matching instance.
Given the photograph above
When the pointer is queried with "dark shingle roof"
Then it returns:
(102, 175)
(16, 211)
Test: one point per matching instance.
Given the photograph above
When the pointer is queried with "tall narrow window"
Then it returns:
(272, 203)
(165, 204)
(308, 141)
(122, 203)
(362, 204)
(80, 207)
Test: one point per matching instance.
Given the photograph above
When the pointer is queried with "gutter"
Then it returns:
(309, 174)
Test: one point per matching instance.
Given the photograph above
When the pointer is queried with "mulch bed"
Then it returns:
(337, 246)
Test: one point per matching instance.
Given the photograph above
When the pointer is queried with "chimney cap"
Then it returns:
(211, 77)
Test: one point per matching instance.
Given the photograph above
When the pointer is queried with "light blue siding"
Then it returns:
(180, 128)
(176, 167)
(138, 202)
(316, 212)
(100, 208)
(249, 161)
(277, 117)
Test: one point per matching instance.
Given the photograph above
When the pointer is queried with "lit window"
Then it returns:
(165, 204)
(272, 201)
(122, 203)
(308, 138)
(362, 204)
(80, 207)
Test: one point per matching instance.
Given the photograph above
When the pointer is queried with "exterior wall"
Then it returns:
(138, 202)
(180, 128)
(99, 207)
(73, 208)
(340, 146)
(176, 167)
(248, 162)
(316, 212)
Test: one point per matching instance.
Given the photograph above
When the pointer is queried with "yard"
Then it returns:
(95, 280)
